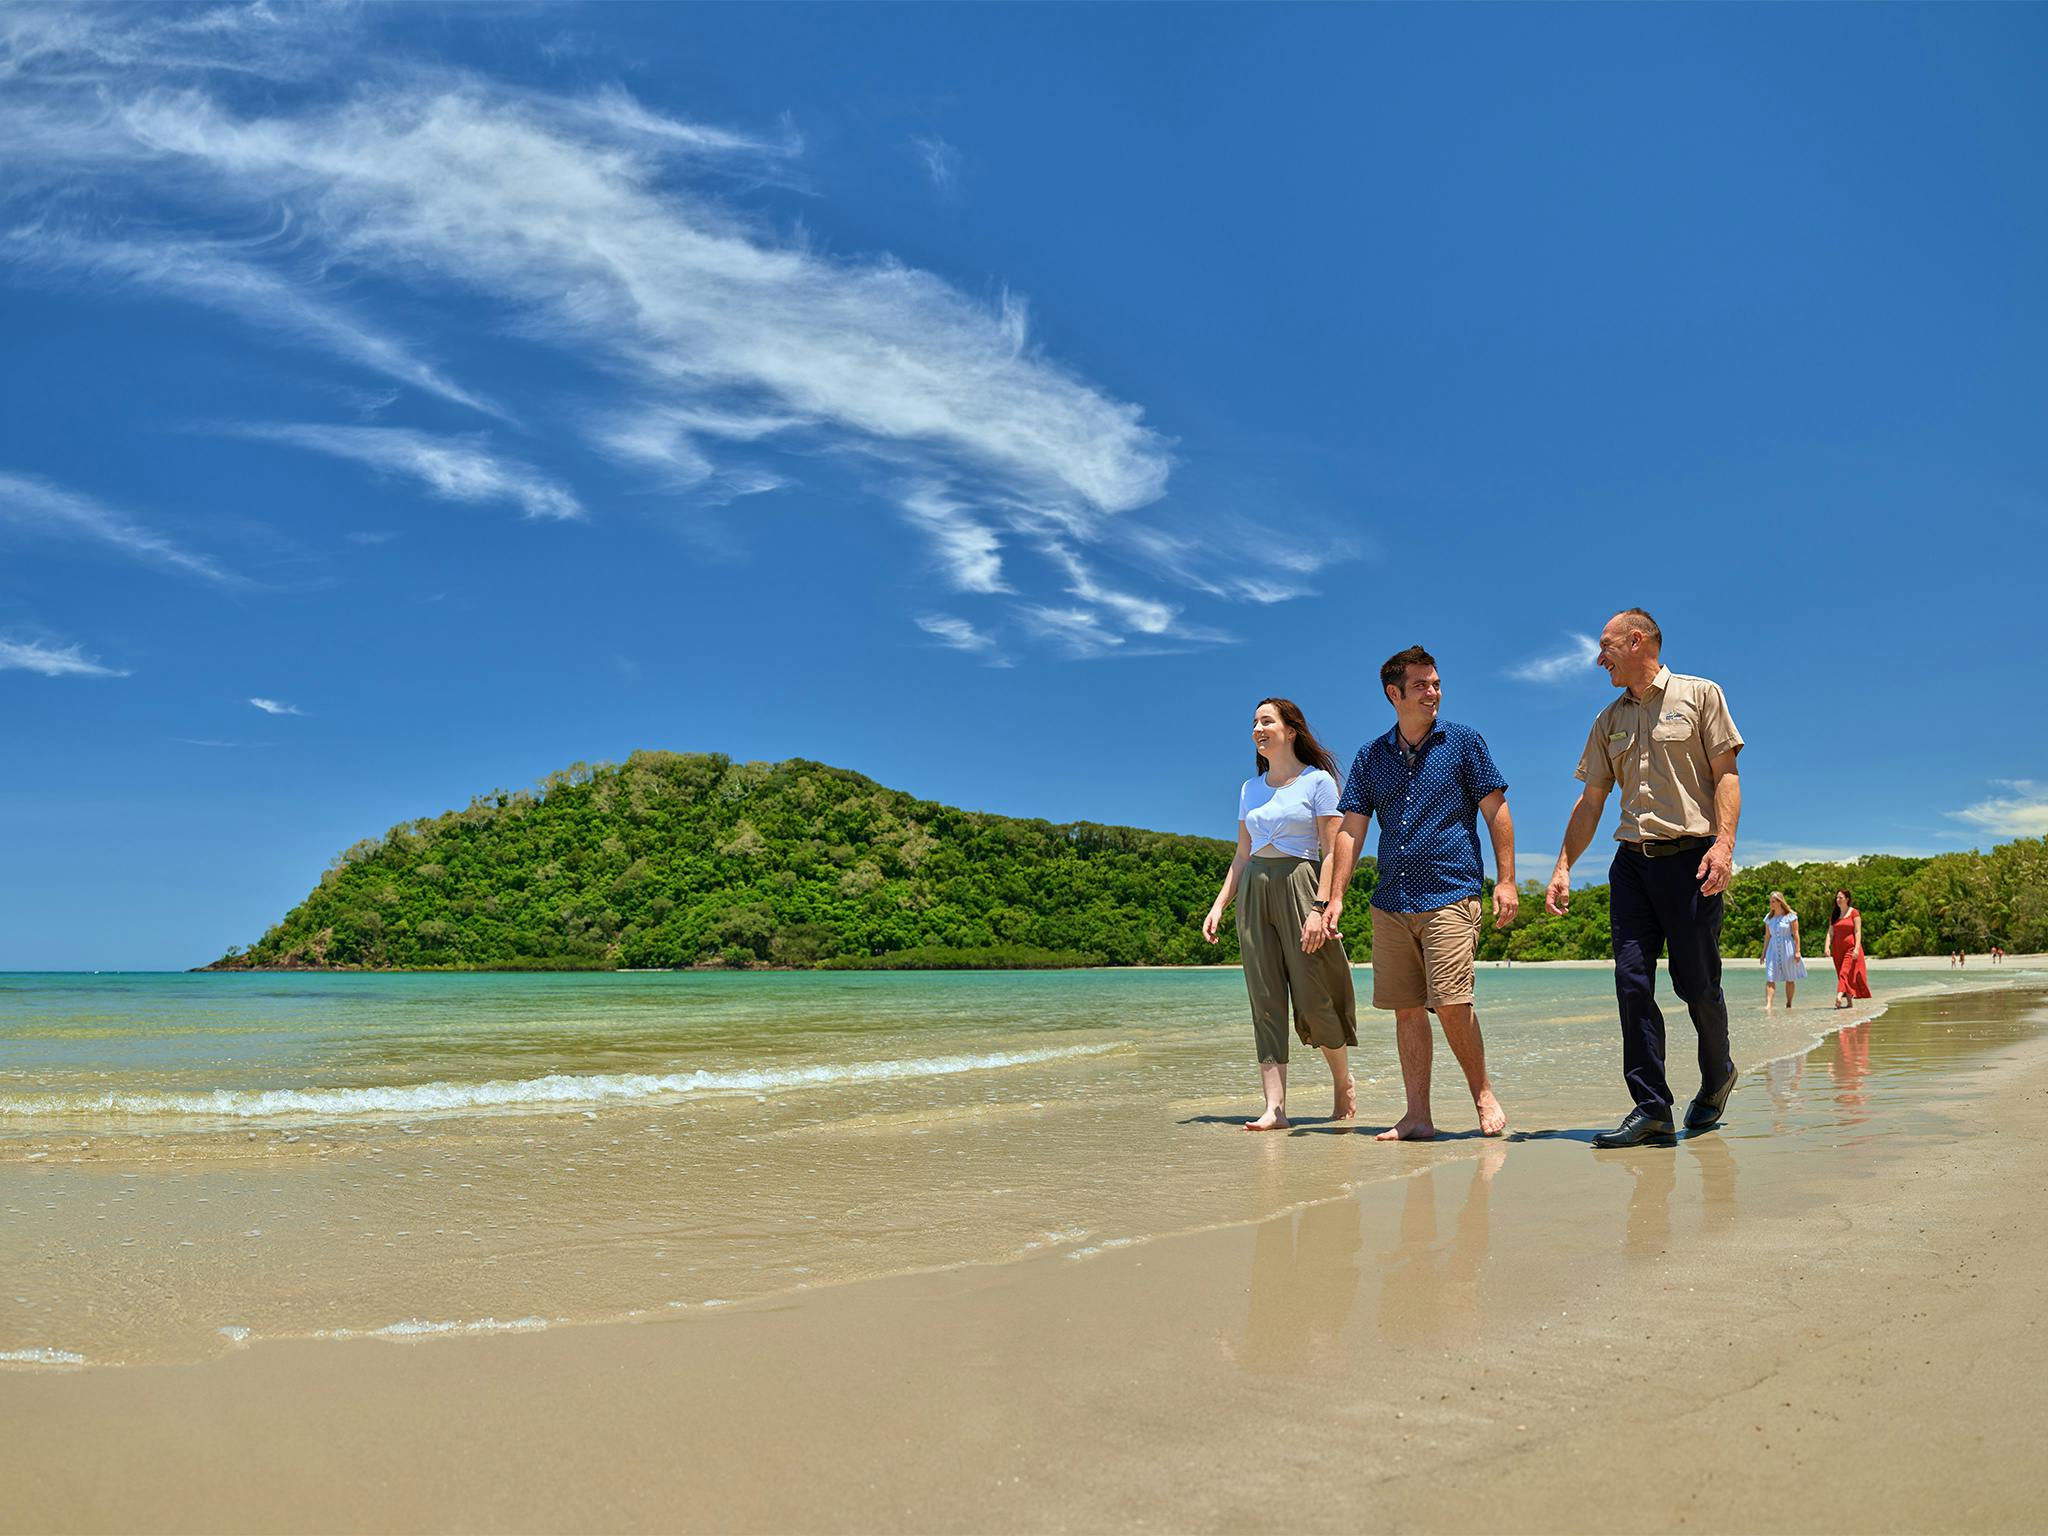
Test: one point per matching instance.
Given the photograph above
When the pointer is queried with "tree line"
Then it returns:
(683, 859)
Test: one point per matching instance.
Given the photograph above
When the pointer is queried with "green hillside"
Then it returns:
(674, 859)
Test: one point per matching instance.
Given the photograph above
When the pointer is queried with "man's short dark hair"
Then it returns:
(1639, 618)
(1394, 673)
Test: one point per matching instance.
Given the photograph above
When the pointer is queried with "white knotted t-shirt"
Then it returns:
(1286, 817)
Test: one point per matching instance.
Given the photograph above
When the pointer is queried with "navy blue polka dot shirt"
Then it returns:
(1428, 806)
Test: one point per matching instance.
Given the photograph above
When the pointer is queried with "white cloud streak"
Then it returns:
(2023, 813)
(1559, 666)
(274, 707)
(51, 660)
(958, 635)
(968, 550)
(1078, 631)
(582, 237)
(456, 469)
(215, 276)
(26, 501)
(941, 162)
(597, 226)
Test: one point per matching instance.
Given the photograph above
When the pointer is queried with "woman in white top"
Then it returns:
(1286, 830)
(1780, 958)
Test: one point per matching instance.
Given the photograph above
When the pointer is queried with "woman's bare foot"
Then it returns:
(1346, 1107)
(1274, 1119)
(1492, 1118)
(1409, 1128)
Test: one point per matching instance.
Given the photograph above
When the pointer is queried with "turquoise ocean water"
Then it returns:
(191, 1161)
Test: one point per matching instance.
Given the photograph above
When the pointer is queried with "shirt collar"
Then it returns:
(1395, 740)
(1657, 683)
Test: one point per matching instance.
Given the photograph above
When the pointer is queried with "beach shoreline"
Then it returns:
(1843, 1277)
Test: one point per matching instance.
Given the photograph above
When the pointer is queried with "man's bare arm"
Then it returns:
(1578, 833)
(1344, 861)
(1718, 867)
(1500, 826)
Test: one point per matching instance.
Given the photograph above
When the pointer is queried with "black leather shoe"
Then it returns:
(1641, 1127)
(1705, 1110)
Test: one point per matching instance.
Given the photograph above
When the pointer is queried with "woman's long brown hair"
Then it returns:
(1306, 747)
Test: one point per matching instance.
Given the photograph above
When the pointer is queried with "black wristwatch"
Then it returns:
(1320, 906)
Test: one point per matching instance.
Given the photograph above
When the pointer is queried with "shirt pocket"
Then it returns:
(1672, 730)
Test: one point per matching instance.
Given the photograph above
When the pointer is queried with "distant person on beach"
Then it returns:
(1429, 781)
(1670, 744)
(1781, 959)
(1845, 948)
(1286, 830)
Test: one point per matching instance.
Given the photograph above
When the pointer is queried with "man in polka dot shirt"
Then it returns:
(1429, 781)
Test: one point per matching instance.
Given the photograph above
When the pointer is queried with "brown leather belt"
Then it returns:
(1664, 847)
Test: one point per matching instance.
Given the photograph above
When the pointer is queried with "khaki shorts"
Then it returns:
(1424, 959)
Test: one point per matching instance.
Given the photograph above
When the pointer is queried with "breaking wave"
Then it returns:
(566, 1090)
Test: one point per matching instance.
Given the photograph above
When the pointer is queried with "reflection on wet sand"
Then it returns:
(1306, 1272)
(1429, 1292)
(1646, 1233)
(1849, 1066)
(1781, 1081)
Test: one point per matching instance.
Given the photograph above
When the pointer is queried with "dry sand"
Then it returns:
(1825, 1317)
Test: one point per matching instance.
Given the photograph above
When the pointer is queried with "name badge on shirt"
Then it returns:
(1617, 738)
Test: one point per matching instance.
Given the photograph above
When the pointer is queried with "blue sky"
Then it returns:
(402, 404)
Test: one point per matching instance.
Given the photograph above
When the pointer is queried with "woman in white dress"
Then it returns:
(1780, 959)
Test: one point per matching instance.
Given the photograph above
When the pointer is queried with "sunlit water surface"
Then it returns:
(191, 1161)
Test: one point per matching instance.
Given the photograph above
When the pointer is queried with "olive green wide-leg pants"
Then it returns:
(1272, 905)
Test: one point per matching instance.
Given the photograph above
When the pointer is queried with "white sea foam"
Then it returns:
(42, 1356)
(413, 1327)
(565, 1090)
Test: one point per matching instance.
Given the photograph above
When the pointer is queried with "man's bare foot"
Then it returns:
(1409, 1128)
(1346, 1107)
(1271, 1120)
(1492, 1118)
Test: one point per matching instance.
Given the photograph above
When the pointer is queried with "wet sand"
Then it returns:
(1824, 1317)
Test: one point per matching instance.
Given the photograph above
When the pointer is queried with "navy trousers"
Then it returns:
(1655, 904)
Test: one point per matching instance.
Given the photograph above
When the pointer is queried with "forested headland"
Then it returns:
(685, 859)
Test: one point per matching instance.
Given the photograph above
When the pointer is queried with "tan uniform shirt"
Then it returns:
(1660, 750)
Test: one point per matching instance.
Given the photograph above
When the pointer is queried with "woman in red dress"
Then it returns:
(1845, 945)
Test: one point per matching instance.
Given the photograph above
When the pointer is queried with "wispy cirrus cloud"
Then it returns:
(966, 549)
(1079, 632)
(455, 469)
(217, 276)
(1576, 657)
(51, 660)
(276, 707)
(2022, 813)
(958, 635)
(941, 162)
(611, 232)
(36, 504)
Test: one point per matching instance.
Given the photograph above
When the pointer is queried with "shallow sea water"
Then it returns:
(190, 1162)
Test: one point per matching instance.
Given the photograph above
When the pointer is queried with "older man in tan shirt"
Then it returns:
(1669, 743)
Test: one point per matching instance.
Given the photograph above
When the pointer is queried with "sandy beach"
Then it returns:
(1823, 1317)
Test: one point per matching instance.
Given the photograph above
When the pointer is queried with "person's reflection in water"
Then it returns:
(1304, 1285)
(1430, 1293)
(1655, 1171)
(1717, 1178)
(1781, 1079)
(1849, 1066)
